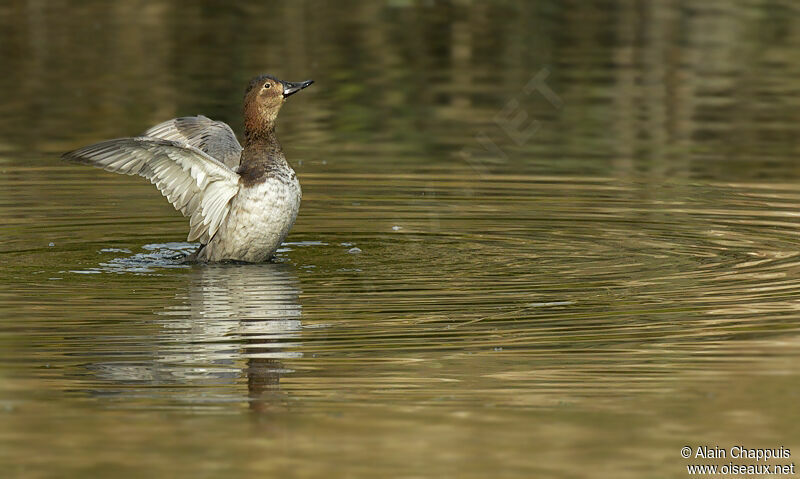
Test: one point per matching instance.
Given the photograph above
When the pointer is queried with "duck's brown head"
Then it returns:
(263, 100)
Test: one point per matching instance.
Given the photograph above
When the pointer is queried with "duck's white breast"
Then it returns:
(260, 217)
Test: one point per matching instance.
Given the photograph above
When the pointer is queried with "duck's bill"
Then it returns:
(290, 88)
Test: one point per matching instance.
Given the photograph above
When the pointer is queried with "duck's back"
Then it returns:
(215, 138)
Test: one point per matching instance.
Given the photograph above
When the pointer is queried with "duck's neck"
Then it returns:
(261, 135)
(262, 156)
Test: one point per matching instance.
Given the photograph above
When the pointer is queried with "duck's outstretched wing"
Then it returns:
(196, 184)
(213, 137)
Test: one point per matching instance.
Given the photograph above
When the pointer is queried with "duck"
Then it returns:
(241, 201)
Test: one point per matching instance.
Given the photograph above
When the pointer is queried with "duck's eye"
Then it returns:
(267, 85)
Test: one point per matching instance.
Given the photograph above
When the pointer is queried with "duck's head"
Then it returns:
(263, 100)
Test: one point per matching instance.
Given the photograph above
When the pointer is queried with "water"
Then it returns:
(584, 291)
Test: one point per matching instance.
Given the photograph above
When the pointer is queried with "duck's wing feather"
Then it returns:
(196, 184)
(213, 137)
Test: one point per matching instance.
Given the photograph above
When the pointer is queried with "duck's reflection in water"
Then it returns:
(237, 322)
(257, 308)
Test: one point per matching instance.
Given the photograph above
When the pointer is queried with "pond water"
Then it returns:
(550, 240)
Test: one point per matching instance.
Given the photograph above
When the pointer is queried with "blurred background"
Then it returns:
(537, 239)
